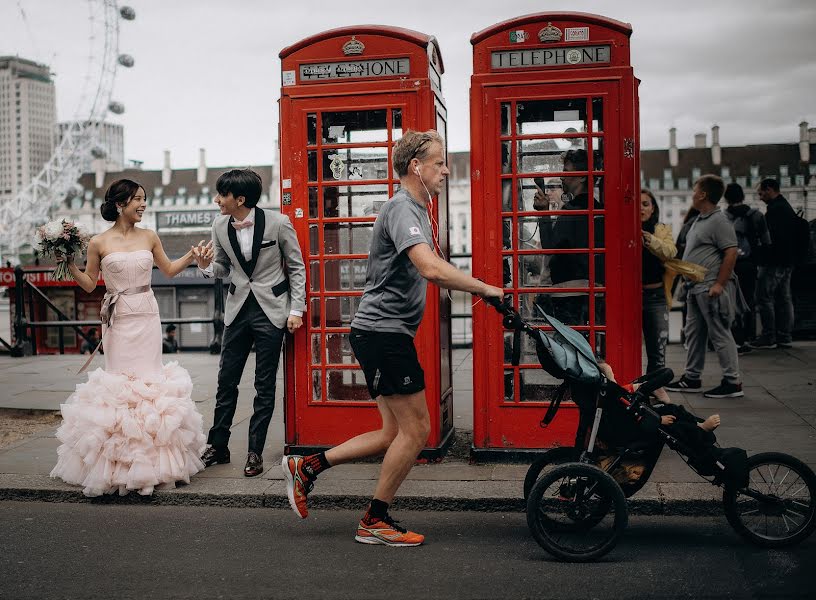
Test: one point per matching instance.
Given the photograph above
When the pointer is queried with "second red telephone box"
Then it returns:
(554, 162)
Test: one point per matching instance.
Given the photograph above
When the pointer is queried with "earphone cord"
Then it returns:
(432, 223)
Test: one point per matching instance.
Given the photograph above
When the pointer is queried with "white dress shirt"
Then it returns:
(245, 237)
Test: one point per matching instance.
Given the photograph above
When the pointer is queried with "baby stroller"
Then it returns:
(576, 497)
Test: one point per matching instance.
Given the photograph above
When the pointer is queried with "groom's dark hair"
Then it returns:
(241, 182)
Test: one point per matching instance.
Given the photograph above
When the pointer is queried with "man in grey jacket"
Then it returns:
(259, 250)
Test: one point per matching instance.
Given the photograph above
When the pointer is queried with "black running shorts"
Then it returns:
(389, 362)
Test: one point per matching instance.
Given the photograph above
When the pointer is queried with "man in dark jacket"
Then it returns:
(568, 232)
(773, 294)
(752, 239)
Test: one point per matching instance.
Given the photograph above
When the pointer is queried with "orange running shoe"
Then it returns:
(298, 484)
(387, 533)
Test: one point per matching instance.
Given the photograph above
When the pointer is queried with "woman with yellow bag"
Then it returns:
(659, 268)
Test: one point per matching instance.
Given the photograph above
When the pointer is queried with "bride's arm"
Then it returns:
(87, 279)
(166, 266)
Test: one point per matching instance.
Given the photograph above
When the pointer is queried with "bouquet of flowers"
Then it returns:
(62, 238)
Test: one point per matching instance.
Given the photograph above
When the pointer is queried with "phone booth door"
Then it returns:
(556, 200)
(347, 143)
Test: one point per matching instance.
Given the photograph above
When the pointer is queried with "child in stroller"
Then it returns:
(685, 426)
(694, 434)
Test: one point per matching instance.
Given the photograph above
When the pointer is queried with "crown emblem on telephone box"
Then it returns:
(550, 33)
(353, 47)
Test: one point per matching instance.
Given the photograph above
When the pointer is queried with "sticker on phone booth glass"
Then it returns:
(288, 78)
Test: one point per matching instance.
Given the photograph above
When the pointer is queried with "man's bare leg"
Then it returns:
(413, 423)
(370, 443)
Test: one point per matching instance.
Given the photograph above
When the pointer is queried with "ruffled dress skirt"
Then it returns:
(122, 434)
(133, 425)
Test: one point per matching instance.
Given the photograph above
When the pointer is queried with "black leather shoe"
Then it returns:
(215, 456)
(254, 465)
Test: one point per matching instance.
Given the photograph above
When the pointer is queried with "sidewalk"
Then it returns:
(778, 413)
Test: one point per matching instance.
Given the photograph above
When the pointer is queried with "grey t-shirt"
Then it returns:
(394, 295)
(709, 237)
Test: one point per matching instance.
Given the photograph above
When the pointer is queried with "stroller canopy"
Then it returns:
(565, 353)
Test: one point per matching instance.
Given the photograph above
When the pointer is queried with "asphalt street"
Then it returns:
(143, 551)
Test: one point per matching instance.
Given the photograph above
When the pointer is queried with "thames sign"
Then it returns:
(383, 67)
(549, 57)
(187, 218)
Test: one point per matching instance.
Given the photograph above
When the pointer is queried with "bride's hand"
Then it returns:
(66, 258)
(203, 254)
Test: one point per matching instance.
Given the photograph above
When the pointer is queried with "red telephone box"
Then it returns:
(555, 188)
(347, 95)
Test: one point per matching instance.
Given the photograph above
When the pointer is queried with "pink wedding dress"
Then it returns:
(133, 425)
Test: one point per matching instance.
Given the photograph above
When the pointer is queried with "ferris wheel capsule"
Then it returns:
(126, 60)
(127, 13)
(116, 108)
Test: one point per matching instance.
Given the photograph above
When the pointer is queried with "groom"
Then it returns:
(259, 249)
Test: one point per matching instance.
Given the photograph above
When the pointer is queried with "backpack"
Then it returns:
(746, 233)
(800, 238)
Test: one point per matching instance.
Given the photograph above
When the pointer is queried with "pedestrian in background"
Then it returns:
(169, 343)
(712, 303)
(752, 239)
(658, 246)
(773, 294)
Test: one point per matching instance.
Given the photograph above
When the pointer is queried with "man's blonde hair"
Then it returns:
(413, 144)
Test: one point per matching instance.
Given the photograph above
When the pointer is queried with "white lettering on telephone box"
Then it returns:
(576, 34)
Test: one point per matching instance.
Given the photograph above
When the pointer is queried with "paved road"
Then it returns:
(109, 551)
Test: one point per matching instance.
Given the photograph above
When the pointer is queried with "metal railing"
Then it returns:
(461, 307)
(25, 340)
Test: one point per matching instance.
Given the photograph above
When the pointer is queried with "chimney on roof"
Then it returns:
(201, 175)
(699, 140)
(166, 171)
(674, 156)
(804, 142)
(716, 151)
(812, 135)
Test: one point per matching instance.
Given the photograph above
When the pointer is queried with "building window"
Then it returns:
(742, 181)
(754, 171)
(783, 170)
(800, 180)
(654, 184)
(695, 173)
(725, 173)
(683, 183)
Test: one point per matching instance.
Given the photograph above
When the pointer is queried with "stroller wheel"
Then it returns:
(576, 512)
(778, 508)
(551, 458)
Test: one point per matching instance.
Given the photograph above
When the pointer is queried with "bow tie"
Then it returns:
(242, 224)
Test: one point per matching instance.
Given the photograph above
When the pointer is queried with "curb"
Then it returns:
(459, 496)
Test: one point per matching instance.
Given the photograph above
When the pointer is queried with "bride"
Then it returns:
(133, 425)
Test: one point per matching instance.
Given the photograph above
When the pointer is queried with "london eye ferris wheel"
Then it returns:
(57, 180)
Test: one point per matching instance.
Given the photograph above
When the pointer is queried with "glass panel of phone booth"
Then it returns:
(553, 258)
(353, 145)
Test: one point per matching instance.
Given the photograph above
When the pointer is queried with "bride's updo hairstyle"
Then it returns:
(119, 194)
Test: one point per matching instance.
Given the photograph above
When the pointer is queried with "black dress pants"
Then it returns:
(251, 325)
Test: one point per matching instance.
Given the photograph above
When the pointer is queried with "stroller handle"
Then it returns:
(512, 319)
(654, 380)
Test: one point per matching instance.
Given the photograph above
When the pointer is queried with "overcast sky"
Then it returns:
(207, 72)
